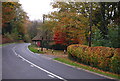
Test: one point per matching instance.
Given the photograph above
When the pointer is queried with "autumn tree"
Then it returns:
(73, 25)
(14, 20)
(8, 13)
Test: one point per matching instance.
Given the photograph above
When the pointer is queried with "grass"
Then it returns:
(6, 44)
(70, 62)
(63, 58)
(57, 53)
(34, 49)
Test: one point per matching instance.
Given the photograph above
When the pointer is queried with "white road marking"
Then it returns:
(14, 51)
(29, 50)
(31, 65)
(38, 66)
(39, 54)
(51, 76)
(22, 59)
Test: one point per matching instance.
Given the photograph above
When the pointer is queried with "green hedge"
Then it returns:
(104, 58)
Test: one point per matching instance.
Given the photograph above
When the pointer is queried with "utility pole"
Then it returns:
(43, 18)
(41, 43)
(90, 31)
(46, 40)
(42, 36)
(118, 23)
(45, 32)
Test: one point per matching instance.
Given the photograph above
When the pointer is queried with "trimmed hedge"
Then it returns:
(104, 58)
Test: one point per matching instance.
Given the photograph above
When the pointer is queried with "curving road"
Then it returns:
(19, 63)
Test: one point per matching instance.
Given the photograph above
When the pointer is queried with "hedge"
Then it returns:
(104, 58)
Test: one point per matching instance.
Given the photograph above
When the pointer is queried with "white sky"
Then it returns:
(36, 8)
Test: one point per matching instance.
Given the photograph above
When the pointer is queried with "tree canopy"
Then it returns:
(14, 21)
(71, 23)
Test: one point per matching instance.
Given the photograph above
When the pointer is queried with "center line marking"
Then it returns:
(51, 76)
(38, 66)
(31, 65)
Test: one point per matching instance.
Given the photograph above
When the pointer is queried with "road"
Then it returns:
(19, 63)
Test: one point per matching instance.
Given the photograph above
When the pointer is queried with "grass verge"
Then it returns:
(6, 44)
(57, 53)
(70, 62)
(34, 49)
(63, 58)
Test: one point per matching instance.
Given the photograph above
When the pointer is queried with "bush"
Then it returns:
(104, 58)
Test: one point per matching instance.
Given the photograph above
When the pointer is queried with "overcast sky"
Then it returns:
(36, 8)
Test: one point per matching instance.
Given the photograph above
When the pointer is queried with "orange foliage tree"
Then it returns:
(14, 21)
(70, 28)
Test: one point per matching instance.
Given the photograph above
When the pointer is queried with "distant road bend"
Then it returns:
(19, 63)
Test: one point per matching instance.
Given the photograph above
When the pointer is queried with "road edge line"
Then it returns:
(29, 50)
(79, 68)
(38, 66)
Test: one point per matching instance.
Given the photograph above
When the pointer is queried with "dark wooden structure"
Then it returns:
(40, 38)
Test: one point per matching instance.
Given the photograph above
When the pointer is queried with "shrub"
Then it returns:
(104, 58)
